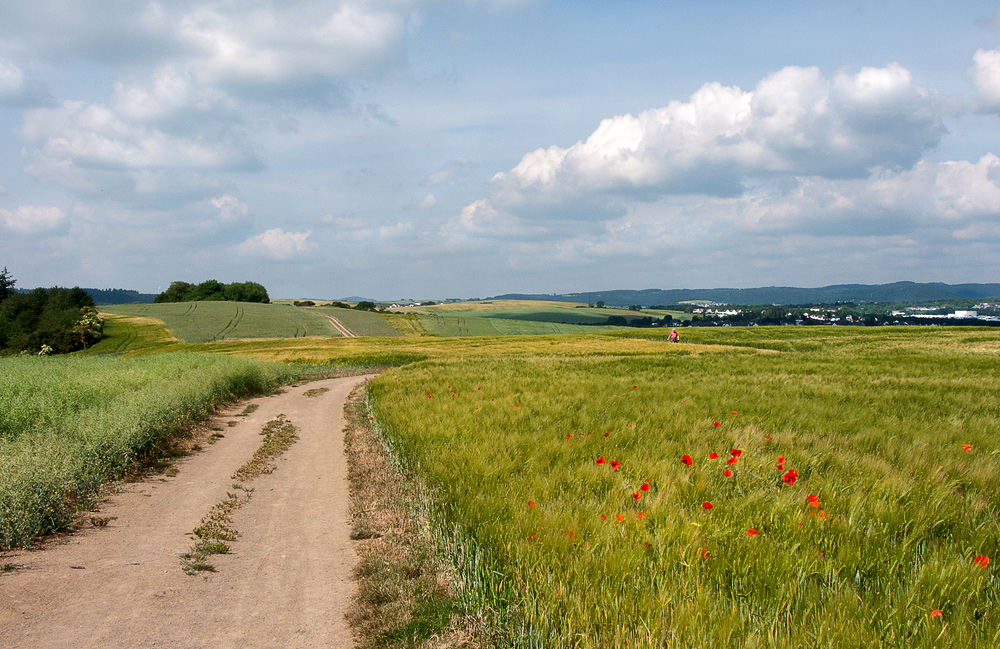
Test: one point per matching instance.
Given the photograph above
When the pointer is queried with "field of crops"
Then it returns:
(205, 321)
(769, 487)
(361, 323)
(68, 424)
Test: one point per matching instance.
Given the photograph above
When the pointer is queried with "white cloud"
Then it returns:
(986, 75)
(794, 122)
(276, 244)
(427, 202)
(33, 220)
(230, 209)
(74, 140)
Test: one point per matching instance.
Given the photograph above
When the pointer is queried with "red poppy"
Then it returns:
(635, 387)
(812, 498)
(935, 613)
(790, 477)
(606, 434)
(615, 464)
(732, 460)
(967, 447)
(781, 459)
(751, 532)
(982, 561)
(531, 504)
(603, 517)
(687, 460)
(717, 424)
(569, 435)
(571, 535)
(713, 455)
(768, 438)
(619, 517)
(727, 473)
(641, 516)
(780, 467)
(703, 552)
(600, 460)
(707, 505)
(645, 486)
(736, 452)
(637, 495)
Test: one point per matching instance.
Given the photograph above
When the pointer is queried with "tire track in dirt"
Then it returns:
(286, 583)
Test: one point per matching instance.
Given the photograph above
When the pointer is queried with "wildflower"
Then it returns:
(687, 460)
(645, 486)
(790, 477)
(615, 464)
(727, 473)
(603, 517)
(713, 455)
(967, 447)
(569, 435)
(781, 459)
(607, 434)
(707, 505)
(752, 532)
(735, 413)
(717, 424)
(641, 516)
(935, 613)
(531, 504)
(620, 518)
(732, 460)
(768, 438)
(703, 552)
(813, 498)
(982, 561)
(600, 461)
(736, 452)
(637, 495)
(571, 535)
(780, 467)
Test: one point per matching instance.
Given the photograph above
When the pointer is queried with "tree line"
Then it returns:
(46, 320)
(214, 291)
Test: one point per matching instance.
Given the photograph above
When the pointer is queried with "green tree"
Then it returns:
(6, 284)
(177, 292)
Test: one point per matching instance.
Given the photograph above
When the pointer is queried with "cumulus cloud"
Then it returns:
(795, 122)
(73, 139)
(276, 244)
(33, 220)
(985, 74)
(230, 209)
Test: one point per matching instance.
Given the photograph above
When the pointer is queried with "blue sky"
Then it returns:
(467, 148)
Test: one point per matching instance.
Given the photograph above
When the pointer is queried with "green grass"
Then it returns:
(206, 321)
(873, 421)
(69, 424)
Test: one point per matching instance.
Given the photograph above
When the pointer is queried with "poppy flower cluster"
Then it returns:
(790, 477)
(967, 448)
(752, 532)
(982, 561)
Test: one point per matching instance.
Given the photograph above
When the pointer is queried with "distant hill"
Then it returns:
(895, 292)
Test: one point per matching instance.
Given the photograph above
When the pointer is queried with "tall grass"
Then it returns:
(69, 424)
(873, 422)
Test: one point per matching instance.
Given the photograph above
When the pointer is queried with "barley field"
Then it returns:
(765, 487)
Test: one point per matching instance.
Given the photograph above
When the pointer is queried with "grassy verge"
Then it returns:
(406, 595)
(70, 424)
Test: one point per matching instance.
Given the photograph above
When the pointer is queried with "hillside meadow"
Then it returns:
(748, 487)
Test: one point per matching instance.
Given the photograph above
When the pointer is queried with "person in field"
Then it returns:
(673, 336)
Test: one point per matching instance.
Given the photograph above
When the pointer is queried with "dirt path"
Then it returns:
(344, 331)
(286, 583)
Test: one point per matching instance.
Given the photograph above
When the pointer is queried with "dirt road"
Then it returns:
(344, 331)
(286, 583)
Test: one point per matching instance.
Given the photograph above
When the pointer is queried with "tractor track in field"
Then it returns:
(286, 582)
(344, 331)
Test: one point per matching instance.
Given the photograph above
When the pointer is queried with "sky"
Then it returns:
(419, 149)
